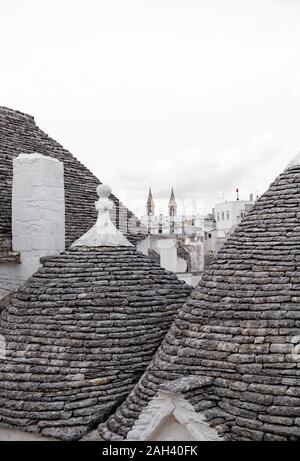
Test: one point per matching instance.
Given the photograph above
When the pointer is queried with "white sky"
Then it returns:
(201, 95)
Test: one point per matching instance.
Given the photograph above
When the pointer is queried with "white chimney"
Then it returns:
(168, 254)
(38, 210)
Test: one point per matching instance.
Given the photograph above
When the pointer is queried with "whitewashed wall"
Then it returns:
(143, 246)
(169, 417)
(168, 254)
(38, 217)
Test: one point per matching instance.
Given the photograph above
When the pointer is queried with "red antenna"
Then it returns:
(237, 194)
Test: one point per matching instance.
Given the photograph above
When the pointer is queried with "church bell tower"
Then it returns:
(172, 211)
(150, 204)
(172, 204)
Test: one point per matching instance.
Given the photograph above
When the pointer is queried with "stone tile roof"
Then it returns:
(19, 134)
(241, 327)
(154, 256)
(79, 334)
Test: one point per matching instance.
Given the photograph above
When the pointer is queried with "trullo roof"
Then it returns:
(240, 327)
(81, 331)
(20, 135)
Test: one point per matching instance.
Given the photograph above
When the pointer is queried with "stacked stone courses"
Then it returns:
(240, 327)
(20, 135)
(79, 334)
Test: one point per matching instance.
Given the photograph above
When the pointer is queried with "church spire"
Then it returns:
(172, 204)
(150, 204)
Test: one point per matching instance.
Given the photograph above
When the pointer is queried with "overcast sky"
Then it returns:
(202, 95)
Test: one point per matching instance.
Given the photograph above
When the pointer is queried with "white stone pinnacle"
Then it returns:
(104, 232)
(294, 162)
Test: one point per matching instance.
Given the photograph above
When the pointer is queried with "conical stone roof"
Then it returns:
(20, 135)
(240, 327)
(82, 330)
(79, 334)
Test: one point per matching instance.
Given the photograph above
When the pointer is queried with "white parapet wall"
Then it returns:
(143, 246)
(169, 417)
(38, 217)
(168, 253)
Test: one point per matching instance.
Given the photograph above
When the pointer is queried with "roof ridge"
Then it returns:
(16, 112)
(294, 162)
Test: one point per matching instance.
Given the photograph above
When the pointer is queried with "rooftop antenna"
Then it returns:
(237, 194)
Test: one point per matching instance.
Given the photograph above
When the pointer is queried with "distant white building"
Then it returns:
(176, 240)
(228, 215)
(218, 226)
(187, 244)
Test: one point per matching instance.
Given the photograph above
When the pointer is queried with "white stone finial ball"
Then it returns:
(103, 191)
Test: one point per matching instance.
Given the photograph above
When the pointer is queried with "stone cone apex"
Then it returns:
(294, 162)
(104, 232)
